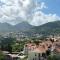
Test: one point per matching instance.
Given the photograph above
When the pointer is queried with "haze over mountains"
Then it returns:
(5, 27)
(48, 28)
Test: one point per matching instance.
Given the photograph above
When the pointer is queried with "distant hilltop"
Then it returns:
(50, 28)
(6, 27)
(45, 29)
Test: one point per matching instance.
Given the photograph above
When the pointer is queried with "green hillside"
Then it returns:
(46, 29)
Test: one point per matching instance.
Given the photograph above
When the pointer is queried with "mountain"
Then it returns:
(5, 27)
(46, 29)
(23, 26)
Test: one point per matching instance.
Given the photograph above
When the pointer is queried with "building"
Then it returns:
(42, 50)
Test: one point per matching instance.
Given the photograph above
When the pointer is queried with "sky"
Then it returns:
(35, 12)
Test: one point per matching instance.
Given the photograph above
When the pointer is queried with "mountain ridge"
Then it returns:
(46, 29)
(6, 27)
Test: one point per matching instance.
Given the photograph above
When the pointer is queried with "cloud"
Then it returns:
(16, 11)
(11, 9)
(40, 18)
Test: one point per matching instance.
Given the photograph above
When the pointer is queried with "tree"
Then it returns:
(54, 57)
(1, 55)
(6, 43)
